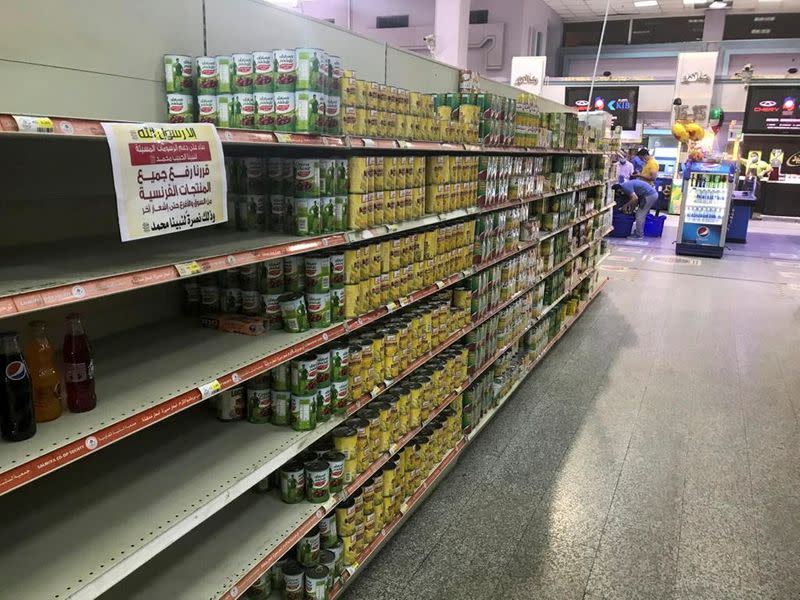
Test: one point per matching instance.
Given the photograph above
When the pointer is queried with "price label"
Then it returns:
(210, 389)
(404, 508)
(34, 124)
(392, 227)
(367, 234)
(392, 306)
(284, 138)
(439, 284)
(188, 269)
(404, 301)
(368, 143)
(405, 144)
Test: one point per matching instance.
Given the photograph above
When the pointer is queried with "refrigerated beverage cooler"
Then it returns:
(704, 212)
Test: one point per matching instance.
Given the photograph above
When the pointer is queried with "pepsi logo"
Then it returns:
(767, 103)
(16, 370)
(789, 104)
(582, 103)
(703, 231)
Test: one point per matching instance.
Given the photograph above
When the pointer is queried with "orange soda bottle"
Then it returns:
(46, 383)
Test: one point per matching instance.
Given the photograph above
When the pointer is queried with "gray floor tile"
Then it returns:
(633, 563)
(546, 568)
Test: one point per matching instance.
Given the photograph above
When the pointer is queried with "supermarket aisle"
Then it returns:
(654, 454)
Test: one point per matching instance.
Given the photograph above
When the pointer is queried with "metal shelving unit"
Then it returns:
(256, 539)
(42, 279)
(140, 392)
(168, 512)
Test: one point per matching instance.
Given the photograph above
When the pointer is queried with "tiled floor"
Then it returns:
(654, 454)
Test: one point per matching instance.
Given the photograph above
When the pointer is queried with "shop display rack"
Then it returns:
(246, 539)
(91, 129)
(43, 280)
(186, 470)
(438, 473)
(139, 392)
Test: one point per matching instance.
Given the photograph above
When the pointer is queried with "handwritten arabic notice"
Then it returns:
(167, 178)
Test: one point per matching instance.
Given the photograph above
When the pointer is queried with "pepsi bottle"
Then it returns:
(17, 421)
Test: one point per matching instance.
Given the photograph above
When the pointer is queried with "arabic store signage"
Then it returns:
(167, 178)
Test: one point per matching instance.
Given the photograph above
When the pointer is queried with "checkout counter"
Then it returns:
(780, 198)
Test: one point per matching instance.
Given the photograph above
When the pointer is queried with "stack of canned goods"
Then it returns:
(294, 293)
(500, 282)
(498, 233)
(310, 569)
(498, 331)
(385, 190)
(378, 502)
(285, 90)
(451, 183)
(308, 390)
(383, 352)
(304, 196)
(388, 270)
(373, 109)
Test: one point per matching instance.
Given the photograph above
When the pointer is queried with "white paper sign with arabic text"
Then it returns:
(167, 178)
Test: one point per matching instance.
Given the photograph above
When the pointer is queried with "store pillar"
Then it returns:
(451, 28)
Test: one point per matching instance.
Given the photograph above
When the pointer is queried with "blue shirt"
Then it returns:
(638, 164)
(639, 187)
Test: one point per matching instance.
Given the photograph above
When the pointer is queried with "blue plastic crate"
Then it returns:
(623, 225)
(654, 226)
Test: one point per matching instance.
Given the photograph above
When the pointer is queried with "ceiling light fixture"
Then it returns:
(645, 3)
(688, 3)
(775, 1)
(718, 4)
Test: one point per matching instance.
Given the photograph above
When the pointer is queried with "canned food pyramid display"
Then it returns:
(288, 90)
(308, 90)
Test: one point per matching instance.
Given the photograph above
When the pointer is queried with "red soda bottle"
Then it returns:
(78, 367)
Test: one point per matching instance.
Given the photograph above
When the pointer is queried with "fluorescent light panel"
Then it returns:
(645, 3)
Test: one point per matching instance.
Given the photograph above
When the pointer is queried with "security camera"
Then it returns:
(430, 42)
(748, 68)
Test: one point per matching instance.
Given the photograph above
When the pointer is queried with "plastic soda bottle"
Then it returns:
(78, 367)
(46, 383)
(17, 422)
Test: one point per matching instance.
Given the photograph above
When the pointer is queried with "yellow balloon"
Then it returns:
(680, 133)
(696, 133)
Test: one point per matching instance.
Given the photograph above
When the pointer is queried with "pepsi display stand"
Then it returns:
(705, 209)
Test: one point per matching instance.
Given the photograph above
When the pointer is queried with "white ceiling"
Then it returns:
(577, 10)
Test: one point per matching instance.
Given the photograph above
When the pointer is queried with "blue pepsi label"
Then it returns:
(16, 370)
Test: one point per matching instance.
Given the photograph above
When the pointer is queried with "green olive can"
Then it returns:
(281, 402)
(324, 403)
(317, 274)
(335, 462)
(340, 211)
(316, 583)
(180, 108)
(294, 273)
(317, 481)
(307, 112)
(308, 548)
(206, 75)
(285, 112)
(328, 560)
(304, 412)
(340, 361)
(293, 581)
(178, 74)
(264, 69)
(243, 74)
(292, 483)
(303, 374)
(319, 310)
(337, 305)
(327, 530)
(294, 313)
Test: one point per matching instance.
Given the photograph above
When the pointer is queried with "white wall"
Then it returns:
(633, 67)
(511, 22)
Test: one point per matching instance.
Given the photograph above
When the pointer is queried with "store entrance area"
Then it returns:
(655, 456)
